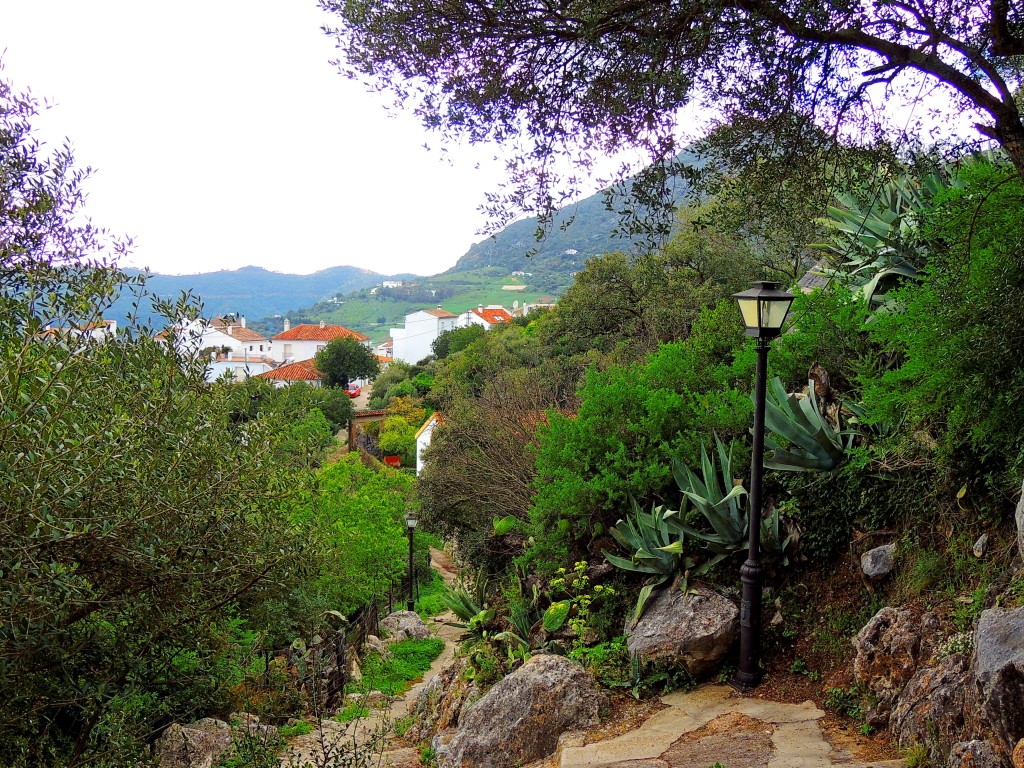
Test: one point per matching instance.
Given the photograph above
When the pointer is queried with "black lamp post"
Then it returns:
(764, 308)
(410, 526)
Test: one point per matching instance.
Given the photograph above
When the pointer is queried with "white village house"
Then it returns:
(303, 341)
(415, 341)
(423, 438)
(489, 317)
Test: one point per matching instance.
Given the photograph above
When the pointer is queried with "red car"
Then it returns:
(353, 391)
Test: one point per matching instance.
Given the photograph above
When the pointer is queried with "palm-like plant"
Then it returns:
(812, 442)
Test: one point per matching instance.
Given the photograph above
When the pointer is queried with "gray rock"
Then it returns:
(439, 706)
(999, 674)
(980, 546)
(198, 745)
(1019, 517)
(694, 631)
(937, 708)
(522, 717)
(405, 625)
(249, 724)
(878, 563)
(888, 650)
(973, 754)
(374, 644)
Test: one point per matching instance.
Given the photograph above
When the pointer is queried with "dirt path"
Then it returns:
(324, 746)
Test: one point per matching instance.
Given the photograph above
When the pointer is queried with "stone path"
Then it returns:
(714, 724)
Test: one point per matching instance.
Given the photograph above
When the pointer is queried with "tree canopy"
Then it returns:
(343, 360)
(551, 78)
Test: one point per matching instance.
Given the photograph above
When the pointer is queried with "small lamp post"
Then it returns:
(410, 527)
(764, 308)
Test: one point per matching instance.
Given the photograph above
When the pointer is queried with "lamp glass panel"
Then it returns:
(748, 308)
(773, 313)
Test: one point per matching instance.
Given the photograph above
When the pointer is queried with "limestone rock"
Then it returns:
(522, 717)
(694, 630)
(198, 745)
(888, 649)
(973, 754)
(439, 706)
(878, 562)
(937, 708)
(999, 673)
(980, 547)
(374, 644)
(405, 625)
(1019, 517)
(249, 724)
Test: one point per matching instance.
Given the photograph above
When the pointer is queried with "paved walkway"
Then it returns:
(714, 724)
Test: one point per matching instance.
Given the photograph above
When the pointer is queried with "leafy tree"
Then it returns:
(345, 359)
(456, 340)
(602, 74)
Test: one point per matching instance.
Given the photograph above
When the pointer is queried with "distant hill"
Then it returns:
(578, 232)
(252, 291)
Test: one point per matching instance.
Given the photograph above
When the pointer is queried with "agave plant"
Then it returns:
(813, 444)
(650, 540)
(876, 245)
(717, 497)
(469, 607)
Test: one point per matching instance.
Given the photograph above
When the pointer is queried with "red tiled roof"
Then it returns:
(243, 334)
(444, 314)
(311, 332)
(493, 316)
(304, 370)
(384, 359)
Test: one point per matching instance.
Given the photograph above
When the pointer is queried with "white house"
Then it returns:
(489, 317)
(220, 337)
(303, 341)
(100, 330)
(304, 370)
(236, 367)
(415, 341)
(423, 438)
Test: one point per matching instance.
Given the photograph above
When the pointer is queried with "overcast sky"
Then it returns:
(221, 137)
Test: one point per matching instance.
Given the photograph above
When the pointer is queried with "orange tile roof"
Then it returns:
(444, 314)
(493, 316)
(304, 370)
(384, 359)
(311, 332)
(243, 334)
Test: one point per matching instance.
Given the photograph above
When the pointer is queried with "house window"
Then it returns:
(261, 347)
(287, 350)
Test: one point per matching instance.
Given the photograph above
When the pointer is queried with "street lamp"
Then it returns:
(410, 526)
(764, 308)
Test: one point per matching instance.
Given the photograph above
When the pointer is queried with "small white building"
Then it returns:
(303, 341)
(415, 341)
(423, 438)
(236, 367)
(220, 337)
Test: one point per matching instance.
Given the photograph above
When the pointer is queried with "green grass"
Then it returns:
(409, 660)
(300, 728)
(351, 712)
(429, 602)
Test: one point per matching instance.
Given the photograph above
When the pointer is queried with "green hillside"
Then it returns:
(375, 313)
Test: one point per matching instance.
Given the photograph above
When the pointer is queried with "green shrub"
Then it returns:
(408, 661)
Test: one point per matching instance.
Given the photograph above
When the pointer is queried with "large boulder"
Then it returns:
(522, 717)
(405, 625)
(999, 674)
(937, 708)
(888, 650)
(198, 745)
(437, 709)
(692, 630)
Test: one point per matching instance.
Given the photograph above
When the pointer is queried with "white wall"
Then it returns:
(421, 445)
(414, 342)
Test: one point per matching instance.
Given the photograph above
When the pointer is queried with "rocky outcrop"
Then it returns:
(404, 625)
(973, 754)
(999, 674)
(248, 724)
(878, 563)
(439, 706)
(198, 745)
(694, 630)
(522, 717)
(937, 708)
(888, 650)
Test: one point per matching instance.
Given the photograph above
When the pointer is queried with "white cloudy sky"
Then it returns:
(221, 137)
